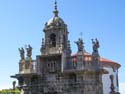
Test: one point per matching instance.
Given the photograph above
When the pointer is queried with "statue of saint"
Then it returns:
(95, 45)
(79, 44)
(21, 53)
(29, 51)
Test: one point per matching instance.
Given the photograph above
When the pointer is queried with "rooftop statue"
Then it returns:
(95, 45)
(21, 50)
(80, 44)
(29, 51)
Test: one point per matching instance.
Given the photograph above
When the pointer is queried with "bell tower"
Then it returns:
(55, 49)
(56, 35)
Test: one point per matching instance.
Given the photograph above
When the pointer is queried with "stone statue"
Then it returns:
(21, 53)
(80, 44)
(29, 51)
(95, 54)
(95, 45)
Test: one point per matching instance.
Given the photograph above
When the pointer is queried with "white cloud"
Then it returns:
(122, 88)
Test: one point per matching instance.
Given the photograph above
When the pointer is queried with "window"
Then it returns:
(52, 40)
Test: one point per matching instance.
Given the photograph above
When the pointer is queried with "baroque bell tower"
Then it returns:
(55, 71)
(56, 36)
(55, 49)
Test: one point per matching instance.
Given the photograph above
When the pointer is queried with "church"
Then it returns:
(57, 71)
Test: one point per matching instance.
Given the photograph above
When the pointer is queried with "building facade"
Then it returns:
(56, 71)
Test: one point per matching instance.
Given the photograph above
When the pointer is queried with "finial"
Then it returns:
(55, 9)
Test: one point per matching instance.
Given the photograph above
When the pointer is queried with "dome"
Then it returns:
(55, 21)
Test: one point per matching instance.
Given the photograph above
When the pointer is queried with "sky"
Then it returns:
(22, 23)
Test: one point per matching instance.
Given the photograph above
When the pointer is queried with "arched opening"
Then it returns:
(52, 40)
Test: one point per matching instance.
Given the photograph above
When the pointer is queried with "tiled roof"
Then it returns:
(102, 60)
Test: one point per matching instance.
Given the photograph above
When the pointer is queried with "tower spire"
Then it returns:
(55, 9)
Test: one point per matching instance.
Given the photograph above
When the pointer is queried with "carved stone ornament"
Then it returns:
(29, 51)
(79, 44)
(21, 50)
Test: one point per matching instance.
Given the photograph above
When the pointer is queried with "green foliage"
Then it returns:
(10, 91)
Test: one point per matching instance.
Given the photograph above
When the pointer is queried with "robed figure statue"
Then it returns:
(80, 44)
(21, 50)
(29, 51)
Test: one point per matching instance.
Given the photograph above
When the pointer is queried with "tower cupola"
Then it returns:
(55, 21)
(56, 35)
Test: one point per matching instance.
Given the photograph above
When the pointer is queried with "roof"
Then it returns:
(55, 20)
(102, 60)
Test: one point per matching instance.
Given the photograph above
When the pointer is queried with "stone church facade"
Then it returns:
(54, 71)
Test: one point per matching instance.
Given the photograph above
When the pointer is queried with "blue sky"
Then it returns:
(22, 22)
